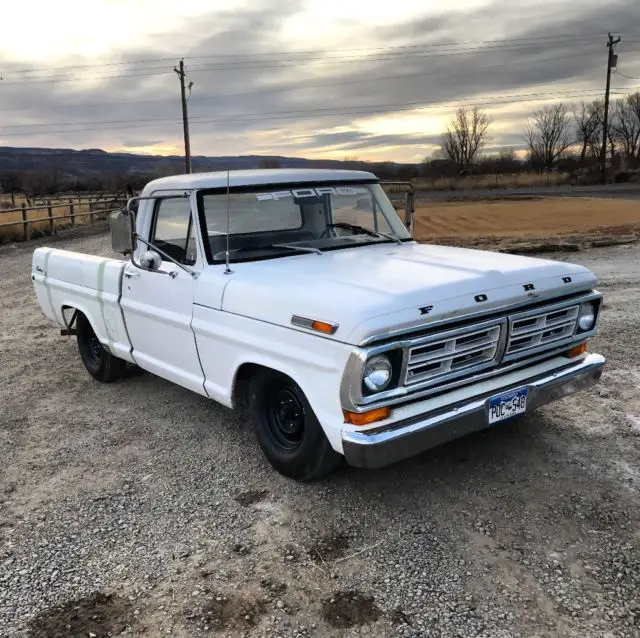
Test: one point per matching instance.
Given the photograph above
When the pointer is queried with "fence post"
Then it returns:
(50, 215)
(25, 223)
(90, 205)
(72, 213)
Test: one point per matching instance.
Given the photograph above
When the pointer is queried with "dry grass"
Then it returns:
(521, 180)
(529, 223)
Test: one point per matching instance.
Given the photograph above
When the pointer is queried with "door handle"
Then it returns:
(131, 274)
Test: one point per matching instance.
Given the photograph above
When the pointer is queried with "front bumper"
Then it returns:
(411, 436)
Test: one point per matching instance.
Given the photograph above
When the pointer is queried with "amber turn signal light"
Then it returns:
(322, 326)
(575, 351)
(364, 418)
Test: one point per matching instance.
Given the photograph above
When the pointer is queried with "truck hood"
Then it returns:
(369, 291)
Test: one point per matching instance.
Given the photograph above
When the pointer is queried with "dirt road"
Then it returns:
(143, 509)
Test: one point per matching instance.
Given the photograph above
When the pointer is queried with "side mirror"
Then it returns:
(409, 210)
(151, 260)
(121, 231)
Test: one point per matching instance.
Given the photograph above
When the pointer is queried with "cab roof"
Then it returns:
(253, 177)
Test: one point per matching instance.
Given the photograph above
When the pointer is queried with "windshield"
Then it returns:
(270, 221)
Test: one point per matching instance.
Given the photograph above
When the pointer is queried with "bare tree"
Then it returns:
(588, 122)
(465, 136)
(548, 136)
(11, 182)
(625, 125)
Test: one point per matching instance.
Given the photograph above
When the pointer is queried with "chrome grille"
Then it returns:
(453, 353)
(538, 329)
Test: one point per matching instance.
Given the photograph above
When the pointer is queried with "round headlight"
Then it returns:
(587, 316)
(377, 373)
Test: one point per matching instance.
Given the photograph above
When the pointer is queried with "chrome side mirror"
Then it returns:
(409, 210)
(151, 260)
(121, 231)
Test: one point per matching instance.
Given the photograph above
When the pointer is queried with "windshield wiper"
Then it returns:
(364, 231)
(303, 249)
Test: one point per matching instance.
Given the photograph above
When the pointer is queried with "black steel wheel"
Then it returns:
(284, 415)
(98, 361)
(287, 429)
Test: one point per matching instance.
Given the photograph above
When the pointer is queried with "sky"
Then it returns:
(308, 78)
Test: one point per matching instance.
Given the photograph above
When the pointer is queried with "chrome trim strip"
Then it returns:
(400, 440)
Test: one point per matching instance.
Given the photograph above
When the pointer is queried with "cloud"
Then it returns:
(393, 102)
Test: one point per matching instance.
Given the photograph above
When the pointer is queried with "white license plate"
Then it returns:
(503, 407)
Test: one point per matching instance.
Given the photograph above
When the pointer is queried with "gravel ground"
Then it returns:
(139, 508)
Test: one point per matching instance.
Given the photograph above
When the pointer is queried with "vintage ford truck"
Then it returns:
(302, 295)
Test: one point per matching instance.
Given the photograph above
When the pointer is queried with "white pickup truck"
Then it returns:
(302, 294)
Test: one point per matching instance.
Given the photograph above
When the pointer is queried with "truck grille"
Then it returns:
(452, 353)
(530, 331)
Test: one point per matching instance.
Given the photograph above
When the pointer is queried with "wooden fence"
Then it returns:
(54, 214)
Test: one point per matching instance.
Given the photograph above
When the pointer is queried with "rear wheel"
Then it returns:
(98, 361)
(287, 429)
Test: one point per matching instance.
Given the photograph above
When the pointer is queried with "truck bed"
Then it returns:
(65, 280)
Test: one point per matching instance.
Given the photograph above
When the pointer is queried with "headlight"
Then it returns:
(587, 316)
(377, 373)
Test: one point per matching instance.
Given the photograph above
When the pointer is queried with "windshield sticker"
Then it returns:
(313, 192)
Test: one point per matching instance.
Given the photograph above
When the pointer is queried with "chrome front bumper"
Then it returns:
(411, 436)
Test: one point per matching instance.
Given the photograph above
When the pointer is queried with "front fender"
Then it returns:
(226, 342)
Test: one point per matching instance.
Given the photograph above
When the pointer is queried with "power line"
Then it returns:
(299, 87)
(240, 64)
(284, 115)
(629, 77)
(438, 45)
(305, 86)
(205, 68)
(568, 93)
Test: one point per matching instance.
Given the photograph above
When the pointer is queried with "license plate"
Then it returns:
(505, 406)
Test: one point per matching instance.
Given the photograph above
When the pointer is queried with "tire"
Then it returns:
(98, 361)
(287, 429)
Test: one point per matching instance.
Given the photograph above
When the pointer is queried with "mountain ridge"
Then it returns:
(93, 162)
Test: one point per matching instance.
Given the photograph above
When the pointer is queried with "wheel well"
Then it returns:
(70, 315)
(246, 371)
(241, 384)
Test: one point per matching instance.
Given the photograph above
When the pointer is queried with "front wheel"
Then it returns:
(98, 361)
(287, 429)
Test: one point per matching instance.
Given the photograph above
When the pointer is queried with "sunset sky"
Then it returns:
(321, 78)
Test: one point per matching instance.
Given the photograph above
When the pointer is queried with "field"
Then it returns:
(529, 223)
(474, 182)
(141, 509)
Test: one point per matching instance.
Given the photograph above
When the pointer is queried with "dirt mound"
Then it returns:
(349, 608)
(99, 614)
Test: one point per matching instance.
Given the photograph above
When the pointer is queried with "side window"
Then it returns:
(173, 230)
(360, 209)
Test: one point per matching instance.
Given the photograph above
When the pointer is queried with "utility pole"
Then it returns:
(612, 61)
(185, 117)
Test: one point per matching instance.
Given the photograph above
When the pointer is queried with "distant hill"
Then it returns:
(95, 162)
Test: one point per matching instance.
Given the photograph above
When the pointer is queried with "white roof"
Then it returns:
(218, 179)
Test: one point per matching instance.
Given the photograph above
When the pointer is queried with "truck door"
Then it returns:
(158, 304)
